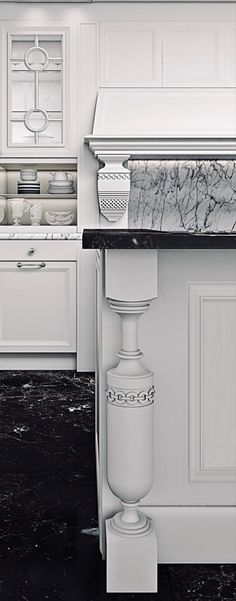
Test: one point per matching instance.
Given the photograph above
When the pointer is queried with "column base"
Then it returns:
(131, 561)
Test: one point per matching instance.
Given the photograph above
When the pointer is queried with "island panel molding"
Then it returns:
(211, 312)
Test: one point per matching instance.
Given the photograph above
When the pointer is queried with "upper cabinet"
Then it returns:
(194, 55)
(39, 68)
(168, 54)
(36, 90)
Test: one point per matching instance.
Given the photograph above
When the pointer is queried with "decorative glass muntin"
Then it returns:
(36, 90)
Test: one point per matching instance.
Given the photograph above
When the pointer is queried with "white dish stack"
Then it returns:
(28, 183)
(60, 183)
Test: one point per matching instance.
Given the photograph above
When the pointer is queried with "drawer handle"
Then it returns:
(31, 265)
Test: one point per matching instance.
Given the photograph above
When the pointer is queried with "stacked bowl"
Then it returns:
(28, 183)
(60, 183)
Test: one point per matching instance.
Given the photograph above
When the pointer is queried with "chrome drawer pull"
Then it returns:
(31, 265)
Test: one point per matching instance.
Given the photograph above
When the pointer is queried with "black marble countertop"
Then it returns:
(149, 239)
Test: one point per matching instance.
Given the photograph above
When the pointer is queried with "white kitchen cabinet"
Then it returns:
(37, 306)
(38, 107)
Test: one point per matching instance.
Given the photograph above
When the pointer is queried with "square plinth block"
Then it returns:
(131, 562)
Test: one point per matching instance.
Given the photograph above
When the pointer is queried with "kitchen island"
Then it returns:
(170, 453)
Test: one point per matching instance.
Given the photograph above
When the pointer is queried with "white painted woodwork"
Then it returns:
(118, 283)
(130, 399)
(194, 54)
(88, 214)
(139, 63)
(153, 147)
(170, 324)
(202, 533)
(196, 514)
(194, 534)
(34, 361)
(231, 57)
(37, 307)
(131, 562)
(165, 53)
(168, 112)
(70, 96)
(212, 381)
(114, 188)
(37, 250)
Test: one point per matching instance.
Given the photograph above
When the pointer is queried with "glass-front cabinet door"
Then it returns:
(36, 90)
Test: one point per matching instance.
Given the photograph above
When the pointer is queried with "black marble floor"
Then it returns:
(48, 511)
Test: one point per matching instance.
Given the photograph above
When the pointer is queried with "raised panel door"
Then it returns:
(38, 307)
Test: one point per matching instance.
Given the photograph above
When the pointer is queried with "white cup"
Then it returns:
(61, 176)
(19, 206)
(36, 210)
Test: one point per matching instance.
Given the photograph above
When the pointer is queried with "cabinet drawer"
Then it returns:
(37, 307)
(34, 250)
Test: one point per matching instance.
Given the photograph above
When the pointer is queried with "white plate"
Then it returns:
(51, 191)
(2, 213)
(64, 185)
(61, 188)
(62, 182)
(30, 182)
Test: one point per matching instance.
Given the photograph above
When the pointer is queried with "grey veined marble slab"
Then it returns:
(39, 236)
(183, 195)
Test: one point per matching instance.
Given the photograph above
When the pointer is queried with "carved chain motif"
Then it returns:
(113, 175)
(130, 399)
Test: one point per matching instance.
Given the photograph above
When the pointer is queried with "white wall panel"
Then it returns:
(231, 57)
(194, 54)
(212, 381)
(131, 54)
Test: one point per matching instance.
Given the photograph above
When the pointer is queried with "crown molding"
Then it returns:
(151, 147)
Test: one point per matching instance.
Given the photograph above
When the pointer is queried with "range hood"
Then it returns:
(149, 123)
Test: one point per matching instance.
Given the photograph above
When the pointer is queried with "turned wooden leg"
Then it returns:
(131, 539)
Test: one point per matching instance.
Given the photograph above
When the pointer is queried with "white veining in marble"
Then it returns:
(183, 195)
(39, 236)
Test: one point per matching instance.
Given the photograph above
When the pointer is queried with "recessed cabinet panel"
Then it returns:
(212, 381)
(194, 55)
(37, 306)
(130, 54)
(231, 58)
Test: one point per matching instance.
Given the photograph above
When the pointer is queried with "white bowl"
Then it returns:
(59, 217)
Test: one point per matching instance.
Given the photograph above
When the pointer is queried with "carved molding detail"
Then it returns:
(113, 187)
(131, 398)
(113, 207)
(113, 175)
(130, 385)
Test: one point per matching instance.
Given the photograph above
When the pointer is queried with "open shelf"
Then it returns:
(39, 196)
(38, 229)
(51, 202)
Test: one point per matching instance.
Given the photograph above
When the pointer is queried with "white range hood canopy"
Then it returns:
(148, 122)
(156, 123)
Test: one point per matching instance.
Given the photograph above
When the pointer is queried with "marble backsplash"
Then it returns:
(183, 195)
